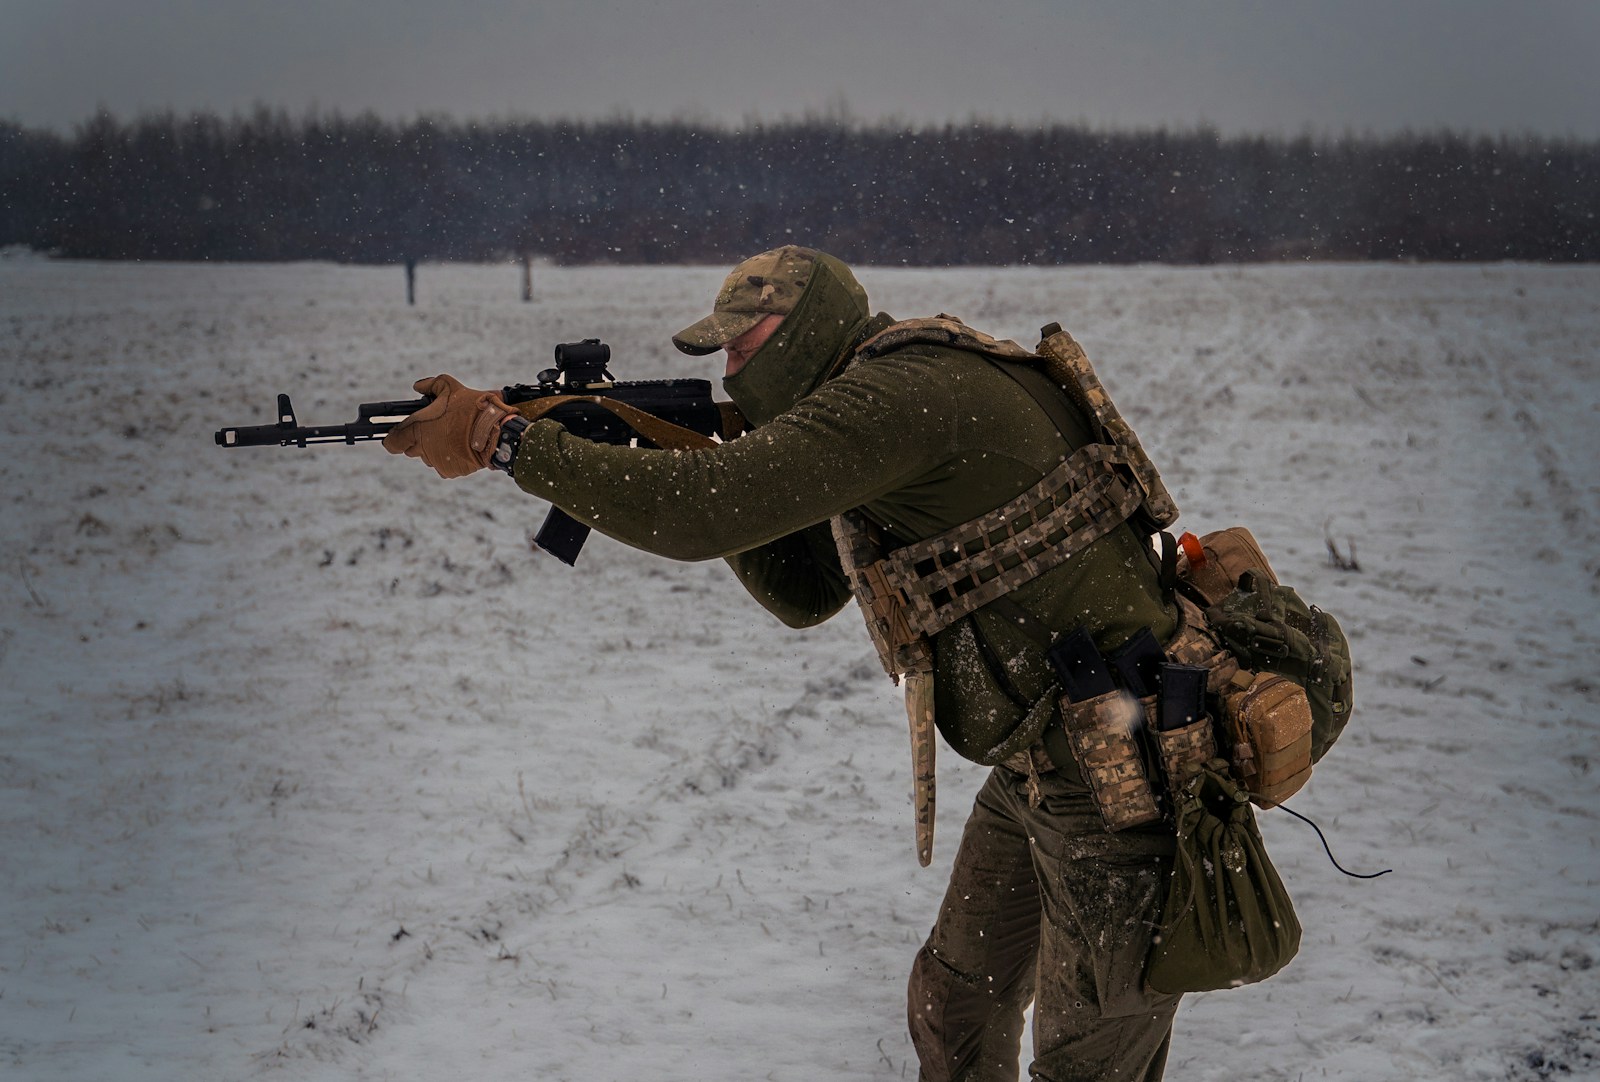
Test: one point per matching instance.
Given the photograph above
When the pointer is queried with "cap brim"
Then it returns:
(716, 330)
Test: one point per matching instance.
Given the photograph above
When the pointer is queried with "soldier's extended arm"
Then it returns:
(797, 578)
(579, 394)
(881, 430)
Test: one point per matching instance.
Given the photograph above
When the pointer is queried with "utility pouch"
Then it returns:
(1267, 719)
(1227, 920)
(1210, 566)
(1266, 626)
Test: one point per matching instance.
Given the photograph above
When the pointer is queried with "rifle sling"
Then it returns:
(661, 433)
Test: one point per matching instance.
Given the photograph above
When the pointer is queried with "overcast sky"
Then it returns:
(1242, 66)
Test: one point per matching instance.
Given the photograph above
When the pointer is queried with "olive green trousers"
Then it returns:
(1045, 906)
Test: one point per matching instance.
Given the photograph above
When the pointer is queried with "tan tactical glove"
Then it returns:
(456, 432)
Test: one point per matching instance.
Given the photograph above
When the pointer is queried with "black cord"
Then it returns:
(1336, 864)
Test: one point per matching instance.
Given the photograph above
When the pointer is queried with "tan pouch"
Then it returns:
(1101, 732)
(1268, 720)
(1212, 564)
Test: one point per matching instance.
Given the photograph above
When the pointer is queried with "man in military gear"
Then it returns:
(1044, 904)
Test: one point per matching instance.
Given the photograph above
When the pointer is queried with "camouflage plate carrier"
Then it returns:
(911, 593)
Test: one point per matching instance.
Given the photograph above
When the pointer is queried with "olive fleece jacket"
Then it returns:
(922, 439)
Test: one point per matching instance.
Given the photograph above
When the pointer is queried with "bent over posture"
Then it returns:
(910, 438)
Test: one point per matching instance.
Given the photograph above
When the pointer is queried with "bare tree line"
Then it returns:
(268, 186)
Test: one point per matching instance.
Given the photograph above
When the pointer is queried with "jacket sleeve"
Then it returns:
(797, 578)
(875, 429)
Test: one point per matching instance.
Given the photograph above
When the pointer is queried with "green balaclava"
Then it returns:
(824, 309)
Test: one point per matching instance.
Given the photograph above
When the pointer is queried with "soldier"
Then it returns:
(916, 437)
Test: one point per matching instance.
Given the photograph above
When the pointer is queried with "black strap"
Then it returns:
(1167, 564)
(1026, 624)
(1074, 427)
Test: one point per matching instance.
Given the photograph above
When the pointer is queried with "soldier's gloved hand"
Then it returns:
(456, 432)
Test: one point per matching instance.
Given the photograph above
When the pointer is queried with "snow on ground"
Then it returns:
(308, 769)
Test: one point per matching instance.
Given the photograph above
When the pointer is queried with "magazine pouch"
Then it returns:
(1184, 751)
(1185, 739)
(1104, 734)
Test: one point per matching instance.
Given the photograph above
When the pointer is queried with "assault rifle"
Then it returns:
(580, 374)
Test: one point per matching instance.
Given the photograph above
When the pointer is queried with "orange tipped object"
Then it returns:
(1193, 549)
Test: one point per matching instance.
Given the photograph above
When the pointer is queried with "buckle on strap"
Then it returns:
(1031, 761)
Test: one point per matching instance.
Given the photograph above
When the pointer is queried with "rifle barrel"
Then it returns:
(375, 419)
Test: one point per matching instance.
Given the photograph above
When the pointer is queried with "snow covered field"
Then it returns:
(308, 769)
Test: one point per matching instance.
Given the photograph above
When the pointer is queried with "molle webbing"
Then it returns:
(900, 647)
(941, 330)
(1068, 366)
(959, 571)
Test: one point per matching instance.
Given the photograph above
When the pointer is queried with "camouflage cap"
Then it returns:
(767, 284)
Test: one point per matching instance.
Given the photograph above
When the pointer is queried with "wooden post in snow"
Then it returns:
(527, 277)
(411, 280)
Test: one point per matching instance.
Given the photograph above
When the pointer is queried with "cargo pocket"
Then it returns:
(945, 1010)
(1114, 885)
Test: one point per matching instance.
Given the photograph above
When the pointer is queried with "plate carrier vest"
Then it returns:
(911, 593)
